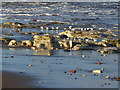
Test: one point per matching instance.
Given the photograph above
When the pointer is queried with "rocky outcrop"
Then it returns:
(46, 42)
(82, 47)
(14, 43)
(109, 50)
(118, 45)
(4, 40)
(26, 43)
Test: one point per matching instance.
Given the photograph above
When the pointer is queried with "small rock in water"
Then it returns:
(75, 78)
(65, 72)
(21, 72)
(33, 48)
(40, 60)
(114, 77)
(83, 75)
(99, 63)
(33, 20)
(12, 56)
(36, 50)
(70, 74)
(49, 54)
(102, 69)
(105, 55)
(118, 79)
(40, 82)
(79, 69)
(30, 65)
(5, 57)
(83, 56)
(17, 31)
(108, 77)
(73, 71)
(96, 71)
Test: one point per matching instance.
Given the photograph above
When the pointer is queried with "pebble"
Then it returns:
(36, 50)
(12, 56)
(79, 69)
(33, 20)
(49, 54)
(70, 74)
(21, 72)
(105, 55)
(102, 69)
(40, 82)
(118, 79)
(75, 78)
(9, 34)
(65, 72)
(83, 56)
(108, 77)
(114, 77)
(30, 65)
(99, 63)
(73, 71)
(40, 60)
(55, 63)
(5, 57)
(96, 71)
(17, 31)
(83, 75)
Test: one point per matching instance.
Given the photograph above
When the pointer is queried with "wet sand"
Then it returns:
(16, 80)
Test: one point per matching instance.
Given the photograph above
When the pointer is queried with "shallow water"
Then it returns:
(51, 70)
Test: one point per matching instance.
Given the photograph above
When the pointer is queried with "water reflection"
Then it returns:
(48, 53)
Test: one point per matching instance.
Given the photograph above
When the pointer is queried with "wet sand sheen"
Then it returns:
(16, 80)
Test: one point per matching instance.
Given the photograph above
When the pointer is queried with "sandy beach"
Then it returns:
(16, 80)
